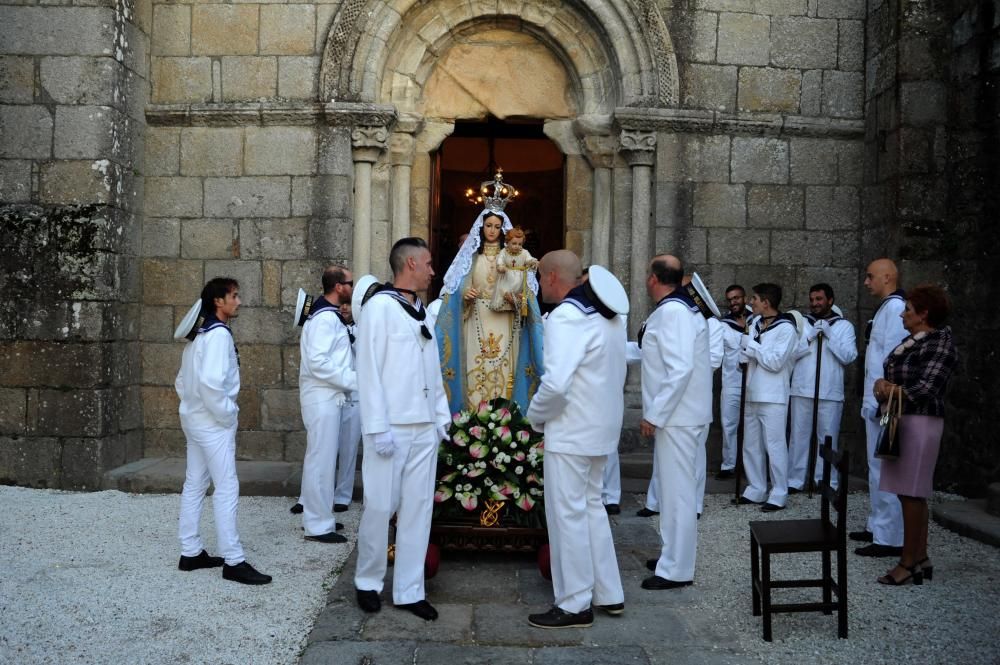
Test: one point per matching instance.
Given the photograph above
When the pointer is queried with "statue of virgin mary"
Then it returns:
(487, 351)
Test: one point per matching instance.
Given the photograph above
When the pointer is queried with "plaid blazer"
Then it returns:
(922, 367)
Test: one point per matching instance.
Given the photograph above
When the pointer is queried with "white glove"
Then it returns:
(744, 342)
(744, 358)
(813, 331)
(442, 433)
(822, 326)
(384, 445)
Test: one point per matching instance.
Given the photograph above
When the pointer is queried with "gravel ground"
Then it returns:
(953, 619)
(92, 578)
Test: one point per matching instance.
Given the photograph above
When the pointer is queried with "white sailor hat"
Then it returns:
(701, 296)
(800, 321)
(607, 290)
(189, 325)
(364, 289)
(836, 310)
(303, 306)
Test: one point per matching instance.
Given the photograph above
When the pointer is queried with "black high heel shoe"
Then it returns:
(928, 571)
(916, 576)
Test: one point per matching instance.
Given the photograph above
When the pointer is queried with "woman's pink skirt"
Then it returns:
(913, 473)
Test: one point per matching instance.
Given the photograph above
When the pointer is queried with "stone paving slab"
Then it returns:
(968, 518)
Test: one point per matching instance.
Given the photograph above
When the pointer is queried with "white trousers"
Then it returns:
(401, 484)
(827, 424)
(611, 480)
(676, 453)
(765, 448)
(701, 471)
(885, 517)
(322, 421)
(347, 456)
(584, 565)
(729, 412)
(211, 458)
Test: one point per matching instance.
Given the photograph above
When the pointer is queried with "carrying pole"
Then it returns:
(814, 436)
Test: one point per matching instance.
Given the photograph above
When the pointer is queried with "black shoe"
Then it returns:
(794, 490)
(916, 576)
(743, 501)
(296, 509)
(771, 508)
(557, 618)
(864, 536)
(878, 550)
(612, 508)
(651, 564)
(646, 512)
(339, 527)
(725, 474)
(657, 583)
(613, 610)
(244, 573)
(369, 601)
(422, 609)
(189, 563)
(340, 507)
(332, 537)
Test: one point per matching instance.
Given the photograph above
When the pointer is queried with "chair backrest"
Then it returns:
(837, 497)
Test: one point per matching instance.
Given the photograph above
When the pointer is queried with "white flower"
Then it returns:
(468, 486)
(492, 425)
(513, 444)
(519, 470)
(495, 449)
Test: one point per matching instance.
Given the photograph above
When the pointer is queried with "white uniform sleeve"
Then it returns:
(716, 343)
(892, 331)
(842, 342)
(372, 340)
(802, 345)
(327, 354)
(672, 362)
(633, 354)
(564, 349)
(214, 367)
(778, 350)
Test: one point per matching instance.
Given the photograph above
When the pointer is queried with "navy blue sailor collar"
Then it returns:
(321, 304)
(897, 294)
(582, 297)
(776, 321)
(415, 310)
(677, 295)
(212, 322)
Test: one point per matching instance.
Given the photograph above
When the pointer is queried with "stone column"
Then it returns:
(599, 151)
(401, 157)
(368, 143)
(639, 150)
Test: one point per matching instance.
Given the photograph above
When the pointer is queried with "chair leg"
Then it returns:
(765, 583)
(827, 581)
(755, 575)
(842, 592)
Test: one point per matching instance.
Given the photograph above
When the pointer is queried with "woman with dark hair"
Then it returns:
(921, 366)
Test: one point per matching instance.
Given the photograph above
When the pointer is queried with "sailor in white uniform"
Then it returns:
(580, 405)
(840, 349)
(350, 428)
(207, 385)
(326, 378)
(677, 412)
(885, 332)
(404, 415)
(769, 351)
(734, 327)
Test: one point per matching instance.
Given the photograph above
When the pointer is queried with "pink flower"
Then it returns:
(525, 502)
(507, 489)
(447, 478)
(474, 473)
(533, 478)
(483, 411)
(520, 456)
(505, 416)
(460, 439)
(443, 493)
(478, 450)
(460, 418)
(469, 501)
(505, 434)
(523, 436)
(478, 432)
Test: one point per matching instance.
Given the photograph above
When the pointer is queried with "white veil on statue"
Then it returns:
(462, 263)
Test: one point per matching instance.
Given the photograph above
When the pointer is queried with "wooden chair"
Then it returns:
(815, 535)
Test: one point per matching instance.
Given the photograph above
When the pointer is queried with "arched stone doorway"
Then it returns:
(383, 62)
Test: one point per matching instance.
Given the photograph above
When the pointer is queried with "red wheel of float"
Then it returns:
(545, 562)
(432, 561)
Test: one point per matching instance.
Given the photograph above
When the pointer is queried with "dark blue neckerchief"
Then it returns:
(678, 295)
(778, 320)
(730, 320)
(583, 298)
(898, 293)
(211, 323)
(415, 312)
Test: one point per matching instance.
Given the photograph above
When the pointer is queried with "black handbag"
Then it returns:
(888, 441)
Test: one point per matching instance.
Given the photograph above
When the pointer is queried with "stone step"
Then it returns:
(993, 499)
(165, 475)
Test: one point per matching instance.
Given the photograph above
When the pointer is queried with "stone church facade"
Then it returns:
(147, 146)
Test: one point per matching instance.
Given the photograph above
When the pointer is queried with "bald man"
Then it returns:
(884, 332)
(579, 405)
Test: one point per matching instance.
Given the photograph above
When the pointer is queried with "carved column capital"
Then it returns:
(638, 147)
(401, 148)
(599, 151)
(369, 142)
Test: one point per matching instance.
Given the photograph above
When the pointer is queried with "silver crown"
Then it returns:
(503, 193)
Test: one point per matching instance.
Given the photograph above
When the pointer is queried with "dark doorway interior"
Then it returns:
(531, 163)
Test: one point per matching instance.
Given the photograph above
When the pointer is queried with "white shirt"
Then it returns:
(326, 365)
(732, 377)
(399, 370)
(716, 343)
(887, 332)
(676, 367)
(772, 355)
(580, 401)
(209, 380)
(840, 349)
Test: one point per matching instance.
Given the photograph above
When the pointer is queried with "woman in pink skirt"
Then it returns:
(921, 366)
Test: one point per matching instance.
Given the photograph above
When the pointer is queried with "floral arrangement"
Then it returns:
(492, 455)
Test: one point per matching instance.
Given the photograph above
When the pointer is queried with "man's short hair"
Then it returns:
(402, 250)
(665, 274)
(769, 292)
(735, 287)
(217, 287)
(824, 287)
(333, 276)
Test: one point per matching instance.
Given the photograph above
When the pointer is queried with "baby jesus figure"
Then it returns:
(513, 262)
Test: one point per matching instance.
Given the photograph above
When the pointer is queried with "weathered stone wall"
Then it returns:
(931, 201)
(73, 90)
